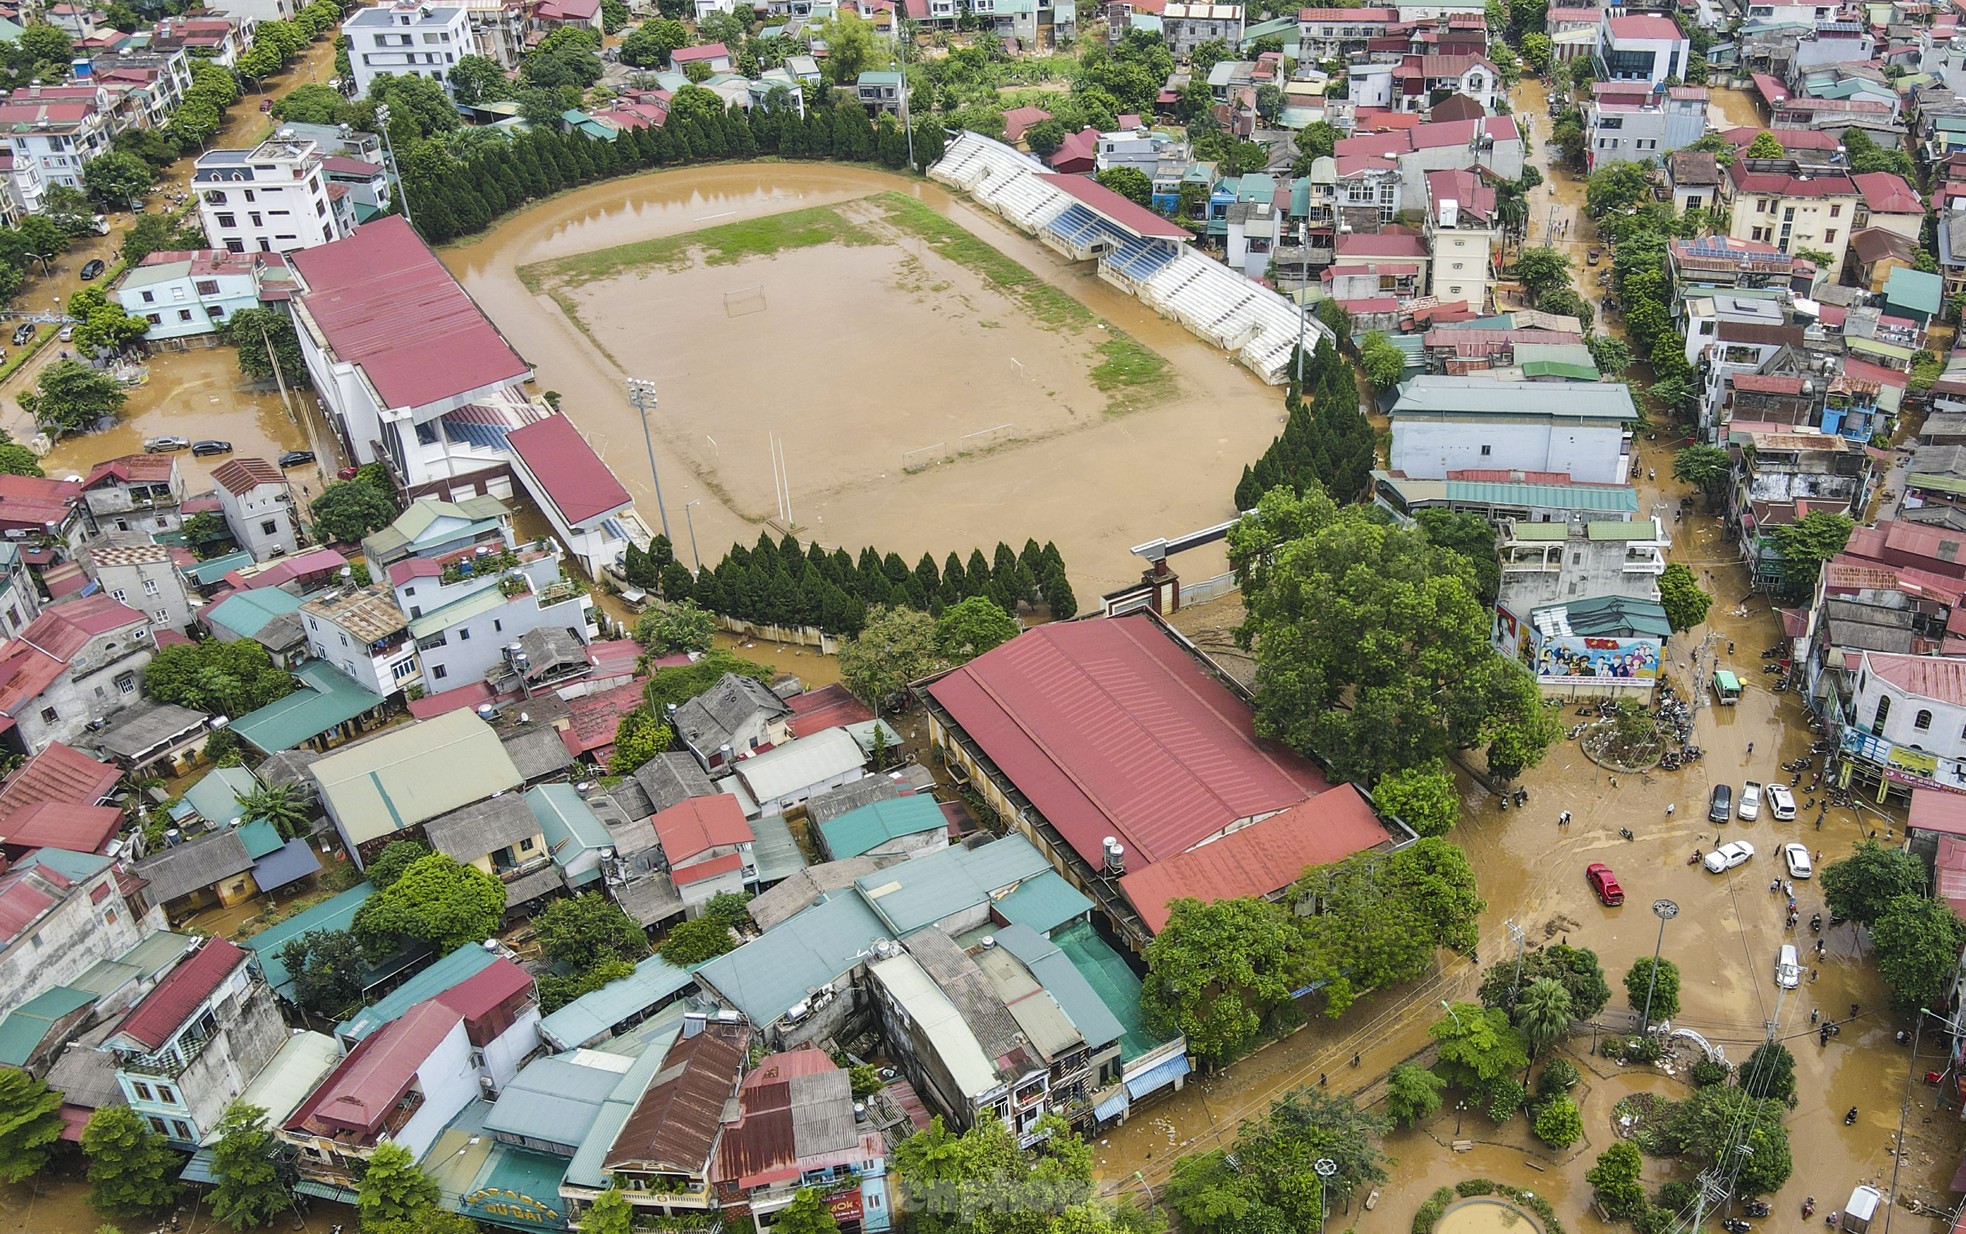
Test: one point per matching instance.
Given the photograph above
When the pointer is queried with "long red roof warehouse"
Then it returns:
(1112, 729)
(387, 304)
(1261, 858)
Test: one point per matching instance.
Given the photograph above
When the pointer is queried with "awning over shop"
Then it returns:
(199, 1168)
(1157, 1077)
(325, 1191)
(1113, 1106)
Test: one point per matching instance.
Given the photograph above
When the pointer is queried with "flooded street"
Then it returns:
(1113, 484)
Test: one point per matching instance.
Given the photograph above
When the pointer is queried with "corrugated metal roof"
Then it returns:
(1066, 983)
(873, 825)
(800, 764)
(1436, 395)
(936, 1016)
(1937, 810)
(592, 1016)
(414, 773)
(675, 1124)
(923, 891)
(451, 970)
(28, 1025)
(1044, 903)
(1112, 729)
(164, 1010)
(289, 1077)
(328, 699)
(765, 976)
(334, 914)
(776, 853)
(557, 1099)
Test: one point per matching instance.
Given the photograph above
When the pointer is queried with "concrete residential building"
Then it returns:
(273, 198)
(360, 631)
(470, 608)
(61, 914)
(184, 294)
(761, 1168)
(1187, 26)
(258, 505)
(214, 38)
(138, 492)
(590, 511)
(1782, 476)
(78, 662)
(1906, 716)
(411, 371)
(198, 1038)
(1793, 206)
(51, 140)
(1462, 231)
(1634, 121)
(406, 39)
(1333, 34)
(707, 843)
(135, 570)
(1444, 424)
(1644, 47)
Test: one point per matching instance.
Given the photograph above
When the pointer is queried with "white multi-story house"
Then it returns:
(194, 292)
(1642, 47)
(135, 570)
(407, 39)
(52, 138)
(1187, 26)
(258, 505)
(371, 312)
(255, 11)
(468, 608)
(1633, 122)
(360, 631)
(62, 913)
(217, 39)
(20, 602)
(1908, 716)
(144, 86)
(1141, 149)
(77, 663)
(195, 1041)
(273, 198)
(1462, 233)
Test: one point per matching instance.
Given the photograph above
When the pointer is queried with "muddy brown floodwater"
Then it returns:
(1115, 483)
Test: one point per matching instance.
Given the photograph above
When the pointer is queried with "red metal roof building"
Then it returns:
(155, 1020)
(59, 774)
(490, 1000)
(32, 504)
(828, 707)
(242, 475)
(385, 304)
(697, 825)
(59, 824)
(352, 1107)
(1135, 218)
(1115, 728)
(575, 479)
(1262, 858)
(45, 650)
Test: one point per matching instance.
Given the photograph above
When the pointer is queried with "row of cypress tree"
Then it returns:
(451, 196)
(1326, 441)
(781, 583)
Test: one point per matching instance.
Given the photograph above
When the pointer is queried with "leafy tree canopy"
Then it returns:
(394, 1188)
(1663, 993)
(584, 929)
(132, 1170)
(30, 1124)
(228, 679)
(1477, 1045)
(439, 901)
(249, 1191)
(1680, 595)
(326, 967)
(894, 647)
(347, 510)
(1806, 544)
(1861, 886)
(668, 627)
(1265, 1180)
(70, 397)
(396, 857)
(1918, 941)
(971, 627)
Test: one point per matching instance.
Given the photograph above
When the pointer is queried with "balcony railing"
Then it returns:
(512, 874)
(168, 1065)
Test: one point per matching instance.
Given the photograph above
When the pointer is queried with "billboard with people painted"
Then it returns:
(1564, 659)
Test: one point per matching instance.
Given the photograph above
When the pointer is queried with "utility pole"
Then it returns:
(641, 395)
(389, 149)
(1517, 937)
(278, 377)
(902, 35)
(1303, 263)
(1664, 910)
(691, 520)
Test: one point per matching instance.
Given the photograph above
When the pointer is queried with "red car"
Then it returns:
(1605, 884)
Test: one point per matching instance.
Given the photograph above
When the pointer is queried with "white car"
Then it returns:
(1781, 803)
(1796, 856)
(1788, 969)
(1729, 855)
(1750, 801)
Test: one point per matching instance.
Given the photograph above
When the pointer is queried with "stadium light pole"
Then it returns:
(691, 520)
(641, 395)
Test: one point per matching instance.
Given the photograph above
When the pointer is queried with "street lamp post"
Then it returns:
(1326, 1169)
(1460, 1108)
(688, 518)
(1664, 910)
(641, 394)
(389, 149)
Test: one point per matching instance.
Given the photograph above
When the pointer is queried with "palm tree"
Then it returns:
(1543, 1013)
(283, 805)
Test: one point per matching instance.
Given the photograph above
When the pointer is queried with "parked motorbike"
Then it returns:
(1771, 668)
(1695, 858)
(1756, 1208)
(1627, 833)
(1734, 1225)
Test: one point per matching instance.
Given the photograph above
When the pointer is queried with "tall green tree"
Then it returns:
(1918, 941)
(70, 397)
(1617, 1179)
(245, 1162)
(132, 1170)
(1663, 993)
(1575, 968)
(609, 1214)
(806, 1214)
(1425, 798)
(668, 627)
(262, 338)
(30, 1124)
(1680, 595)
(1544, 1013)
(897, 645)
(1806, 544)
(1861, 886)
(971, 627)
(1219, 973)
(1477, 1046)
(1265, 1180)
(327, 968)
(1372, 648)
(395, 857)
(1384, 364)
(1770, 1071)
(286, 806)
(582, 929)
(1412, 1094)
(1765, 146)
(222, 678)
(394, 1188)
(1369, 921)
(1706, 468)
(350, 509)
(16, 459)
(1542, 271)
(438, 901)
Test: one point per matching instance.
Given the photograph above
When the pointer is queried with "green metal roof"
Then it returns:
(1878, 348)
(144, 961)
(776, 853)
(205, 573)
(878, 77)
(335, 914)
(553, 1099)
(1268, 29)
(1915, 290)
(260, 838)
(923, 891)
(483, 600)
(452, 970)
(1606, 531)
(870, 826)
(1044, 903)
(29, 1024)
(1552, 496)
(587, 1167)
(1938, 482)
(1610, 617)
(1063, 981)
(592, 1016)
(215, 797)
(1554, 368)
(246, 613)
(564, 819)
(329, 699)
(765, 976)
(1113, 980)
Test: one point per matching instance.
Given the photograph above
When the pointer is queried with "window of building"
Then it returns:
(159, 1125)
(207, 287)
(439, 672)
(464, 636)
(344, 637)
(141, 1089)
(1485, 451)
(1882, 713)
(228, 220)
(126, 682)
(1922, 721)
(1829, 237)
(165, 1094)
(498, 626)
(150, 587)
(119, 596)
(268, 527)
(161, 616)
(48, 715)
(181, 1129)
(1836, 211)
